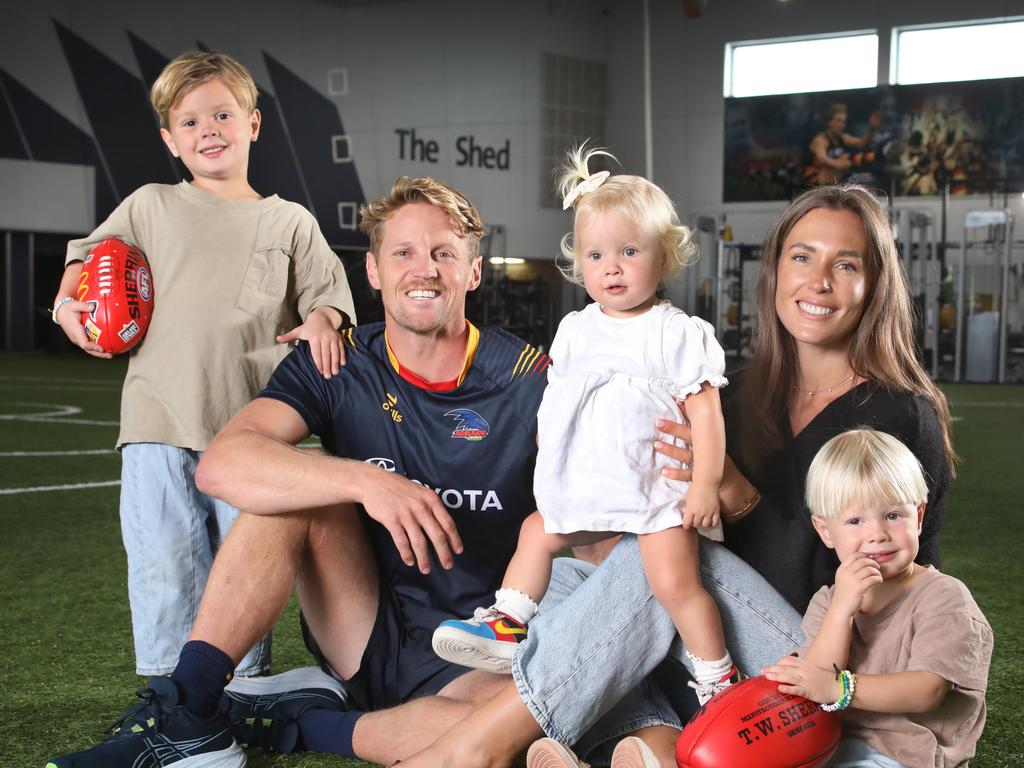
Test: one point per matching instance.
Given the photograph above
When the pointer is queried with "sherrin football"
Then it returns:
(118, 285)
(752, 724)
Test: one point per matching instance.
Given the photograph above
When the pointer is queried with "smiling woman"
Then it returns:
(834, 351)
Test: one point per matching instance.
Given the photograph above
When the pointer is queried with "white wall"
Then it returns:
(447, 68)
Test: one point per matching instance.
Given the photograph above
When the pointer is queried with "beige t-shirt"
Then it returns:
(228, 276)
(935, 626)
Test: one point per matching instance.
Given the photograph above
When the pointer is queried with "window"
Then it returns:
(573, 109)
(800, 65)
(966, 51)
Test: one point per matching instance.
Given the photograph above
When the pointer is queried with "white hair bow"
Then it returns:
(588, 184)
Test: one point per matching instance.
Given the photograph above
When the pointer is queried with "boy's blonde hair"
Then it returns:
(464, 216)
(861, 467)
(190, 70)
(639, 200)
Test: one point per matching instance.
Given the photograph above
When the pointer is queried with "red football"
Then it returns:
(751, 723)
(118, 284)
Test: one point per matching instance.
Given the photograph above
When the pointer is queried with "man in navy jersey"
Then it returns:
(407, 517)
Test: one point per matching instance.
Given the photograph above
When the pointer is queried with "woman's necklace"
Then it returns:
(812, 392)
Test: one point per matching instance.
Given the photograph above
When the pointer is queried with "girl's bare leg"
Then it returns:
(672, 566)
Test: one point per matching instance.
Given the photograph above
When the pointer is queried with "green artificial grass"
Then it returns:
(67, 666)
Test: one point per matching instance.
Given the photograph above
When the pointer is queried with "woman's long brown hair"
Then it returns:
(881, 347)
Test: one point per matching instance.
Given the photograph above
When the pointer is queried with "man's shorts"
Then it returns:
(398, 664)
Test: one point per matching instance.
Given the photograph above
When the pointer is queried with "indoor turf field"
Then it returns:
(66, 670)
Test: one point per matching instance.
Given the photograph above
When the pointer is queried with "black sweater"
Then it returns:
(777, 537)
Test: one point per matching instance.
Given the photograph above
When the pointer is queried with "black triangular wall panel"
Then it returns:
(52, 138)
(12, 145)
(312, 120)
(120, 115)
(151, 63)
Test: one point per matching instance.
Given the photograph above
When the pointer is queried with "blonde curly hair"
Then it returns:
(639, 200)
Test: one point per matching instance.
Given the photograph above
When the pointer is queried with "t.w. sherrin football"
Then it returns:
(751, 723)
(118, 285)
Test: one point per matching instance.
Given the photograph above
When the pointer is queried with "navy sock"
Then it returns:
(202, 672)
(327, 730)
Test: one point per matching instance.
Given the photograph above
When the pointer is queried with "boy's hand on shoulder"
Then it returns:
(69, 317)
(701, 507)
(799, 677)
(325, 343)
(854, 577)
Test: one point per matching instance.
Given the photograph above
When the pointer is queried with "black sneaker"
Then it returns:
(264, 711)
(158, 731)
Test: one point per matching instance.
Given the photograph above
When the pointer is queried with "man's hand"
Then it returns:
(854, 578)
(408, 511)
(799, 677)
(325, 342)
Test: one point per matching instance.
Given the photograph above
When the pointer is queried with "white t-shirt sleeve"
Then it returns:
(693, 355)
(560, 347)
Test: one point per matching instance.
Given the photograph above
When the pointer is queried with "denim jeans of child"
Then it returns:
(171, 533)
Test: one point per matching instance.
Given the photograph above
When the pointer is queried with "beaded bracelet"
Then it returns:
(848, 680)
(57, 306)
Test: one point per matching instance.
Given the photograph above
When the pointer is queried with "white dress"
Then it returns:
(611, 378)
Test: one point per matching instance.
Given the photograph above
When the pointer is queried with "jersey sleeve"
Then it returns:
(693, 356)
(296, 382)
(318, 274)
(120, 224)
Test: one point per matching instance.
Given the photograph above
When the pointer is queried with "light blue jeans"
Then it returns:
(171, 532)
(857, 753)
(585, 670)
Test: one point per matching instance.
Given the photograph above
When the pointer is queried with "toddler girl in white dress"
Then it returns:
(618, 366)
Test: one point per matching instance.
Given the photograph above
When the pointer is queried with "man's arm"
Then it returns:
(862, 141)
(253, 464)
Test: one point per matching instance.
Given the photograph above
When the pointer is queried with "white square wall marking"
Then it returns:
(337, 81)
(341, 148)
(348, 215)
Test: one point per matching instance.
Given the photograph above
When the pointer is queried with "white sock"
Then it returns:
(515, 604)
(708, 672)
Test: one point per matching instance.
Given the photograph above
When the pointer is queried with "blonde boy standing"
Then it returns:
(234, 273)
(903, 648)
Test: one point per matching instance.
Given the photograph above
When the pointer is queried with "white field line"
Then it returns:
(19, 454)
(69, 487)
(50, 380)
(57, 416)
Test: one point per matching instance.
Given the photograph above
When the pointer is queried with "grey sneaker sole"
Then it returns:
(474, 652)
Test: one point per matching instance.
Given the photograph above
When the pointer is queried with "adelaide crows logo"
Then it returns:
(469, 425)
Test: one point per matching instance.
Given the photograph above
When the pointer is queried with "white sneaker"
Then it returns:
(548, 753)
(707, 691)
(632, 752)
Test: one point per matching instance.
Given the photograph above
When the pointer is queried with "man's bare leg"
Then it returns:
(496, 735)
(394, 734)
(256, 568)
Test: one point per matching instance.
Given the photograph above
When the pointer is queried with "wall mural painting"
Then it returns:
(904, 140)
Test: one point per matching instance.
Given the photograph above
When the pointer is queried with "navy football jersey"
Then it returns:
(475, 446)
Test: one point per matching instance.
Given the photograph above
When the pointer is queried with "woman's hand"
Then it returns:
(735, 491)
